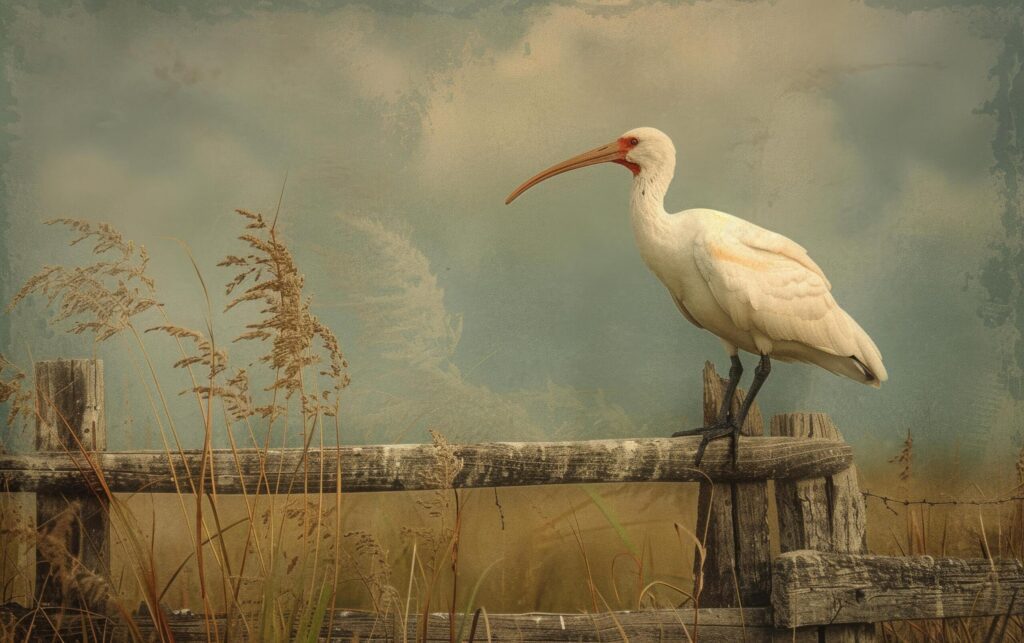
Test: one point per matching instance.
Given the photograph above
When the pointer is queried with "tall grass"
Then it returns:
(114, 295)
(947, 516)
(274, 571)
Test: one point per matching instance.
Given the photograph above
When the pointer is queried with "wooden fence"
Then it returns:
(823, 586)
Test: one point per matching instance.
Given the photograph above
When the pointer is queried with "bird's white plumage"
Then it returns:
(778, 298)
(757, 290)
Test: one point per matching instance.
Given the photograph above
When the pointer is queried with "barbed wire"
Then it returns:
(906, 502)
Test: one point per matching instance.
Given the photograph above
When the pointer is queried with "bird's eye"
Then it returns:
(634, 142)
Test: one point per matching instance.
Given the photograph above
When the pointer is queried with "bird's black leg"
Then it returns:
(760, 375)
(735, 373)
(726, 425)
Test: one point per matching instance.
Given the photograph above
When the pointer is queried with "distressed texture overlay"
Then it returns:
(882, 136)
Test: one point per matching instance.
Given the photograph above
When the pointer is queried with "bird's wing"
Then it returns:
(767, 283)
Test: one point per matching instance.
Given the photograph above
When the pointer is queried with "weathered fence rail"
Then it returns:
(823, 587)
(753, 625)
(812, 586)
(408, 467)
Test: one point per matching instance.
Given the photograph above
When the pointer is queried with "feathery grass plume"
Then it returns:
(441, 543)
(905, 458)
(103, 296)
(215, 360)
(370, 563)
(437, 504)
(916, 531)
(14, 391)
(234, 390)
(287, 323)
(448, 464)
(400, 305)
(236, 395)
(398, 290)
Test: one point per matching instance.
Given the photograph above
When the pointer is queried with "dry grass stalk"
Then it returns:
(234, 391)
(438, 504)
(104, 295)
(286, 321)
(441, 544)
(915, 524)
(905, 458)
(371, 565)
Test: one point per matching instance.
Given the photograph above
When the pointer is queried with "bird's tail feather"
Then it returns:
(850, 353)
(853, 354)
(869, 358)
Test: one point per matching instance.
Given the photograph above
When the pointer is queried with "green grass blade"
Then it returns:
(317, 622)
(472, 598)
(612, 520)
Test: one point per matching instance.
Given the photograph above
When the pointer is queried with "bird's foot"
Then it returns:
(726, 428)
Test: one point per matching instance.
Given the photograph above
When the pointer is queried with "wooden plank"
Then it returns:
(410, 467)
(824, 514)
(713, 573)
(813, 587)
(827, 513)
(712, 626)
(732, 517)
(72, 519)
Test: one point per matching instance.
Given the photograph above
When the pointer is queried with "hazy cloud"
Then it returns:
(852, 128)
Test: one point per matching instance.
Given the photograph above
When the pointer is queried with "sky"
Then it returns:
(874, 134)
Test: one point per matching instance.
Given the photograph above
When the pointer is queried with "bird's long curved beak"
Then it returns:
(604, 154)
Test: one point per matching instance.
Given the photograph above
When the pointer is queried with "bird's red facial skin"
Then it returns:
(625, 147)
(633, 167)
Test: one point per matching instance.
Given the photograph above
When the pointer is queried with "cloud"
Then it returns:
(779, 94)
(848, 127)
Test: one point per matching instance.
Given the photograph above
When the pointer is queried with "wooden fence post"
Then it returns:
(734, 517)
(824, 514)
(70, 419)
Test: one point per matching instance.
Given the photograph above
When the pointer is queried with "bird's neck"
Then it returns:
(647, 209)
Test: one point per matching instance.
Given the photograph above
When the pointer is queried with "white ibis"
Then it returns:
(756, 290)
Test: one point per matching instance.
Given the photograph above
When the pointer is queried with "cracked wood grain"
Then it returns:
(825, 514)
(812, 587)
(715, 626)
(409, 467)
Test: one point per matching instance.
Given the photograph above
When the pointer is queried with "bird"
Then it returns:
(756, 290)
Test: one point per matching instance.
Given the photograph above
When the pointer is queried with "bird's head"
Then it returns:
(644, 150)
